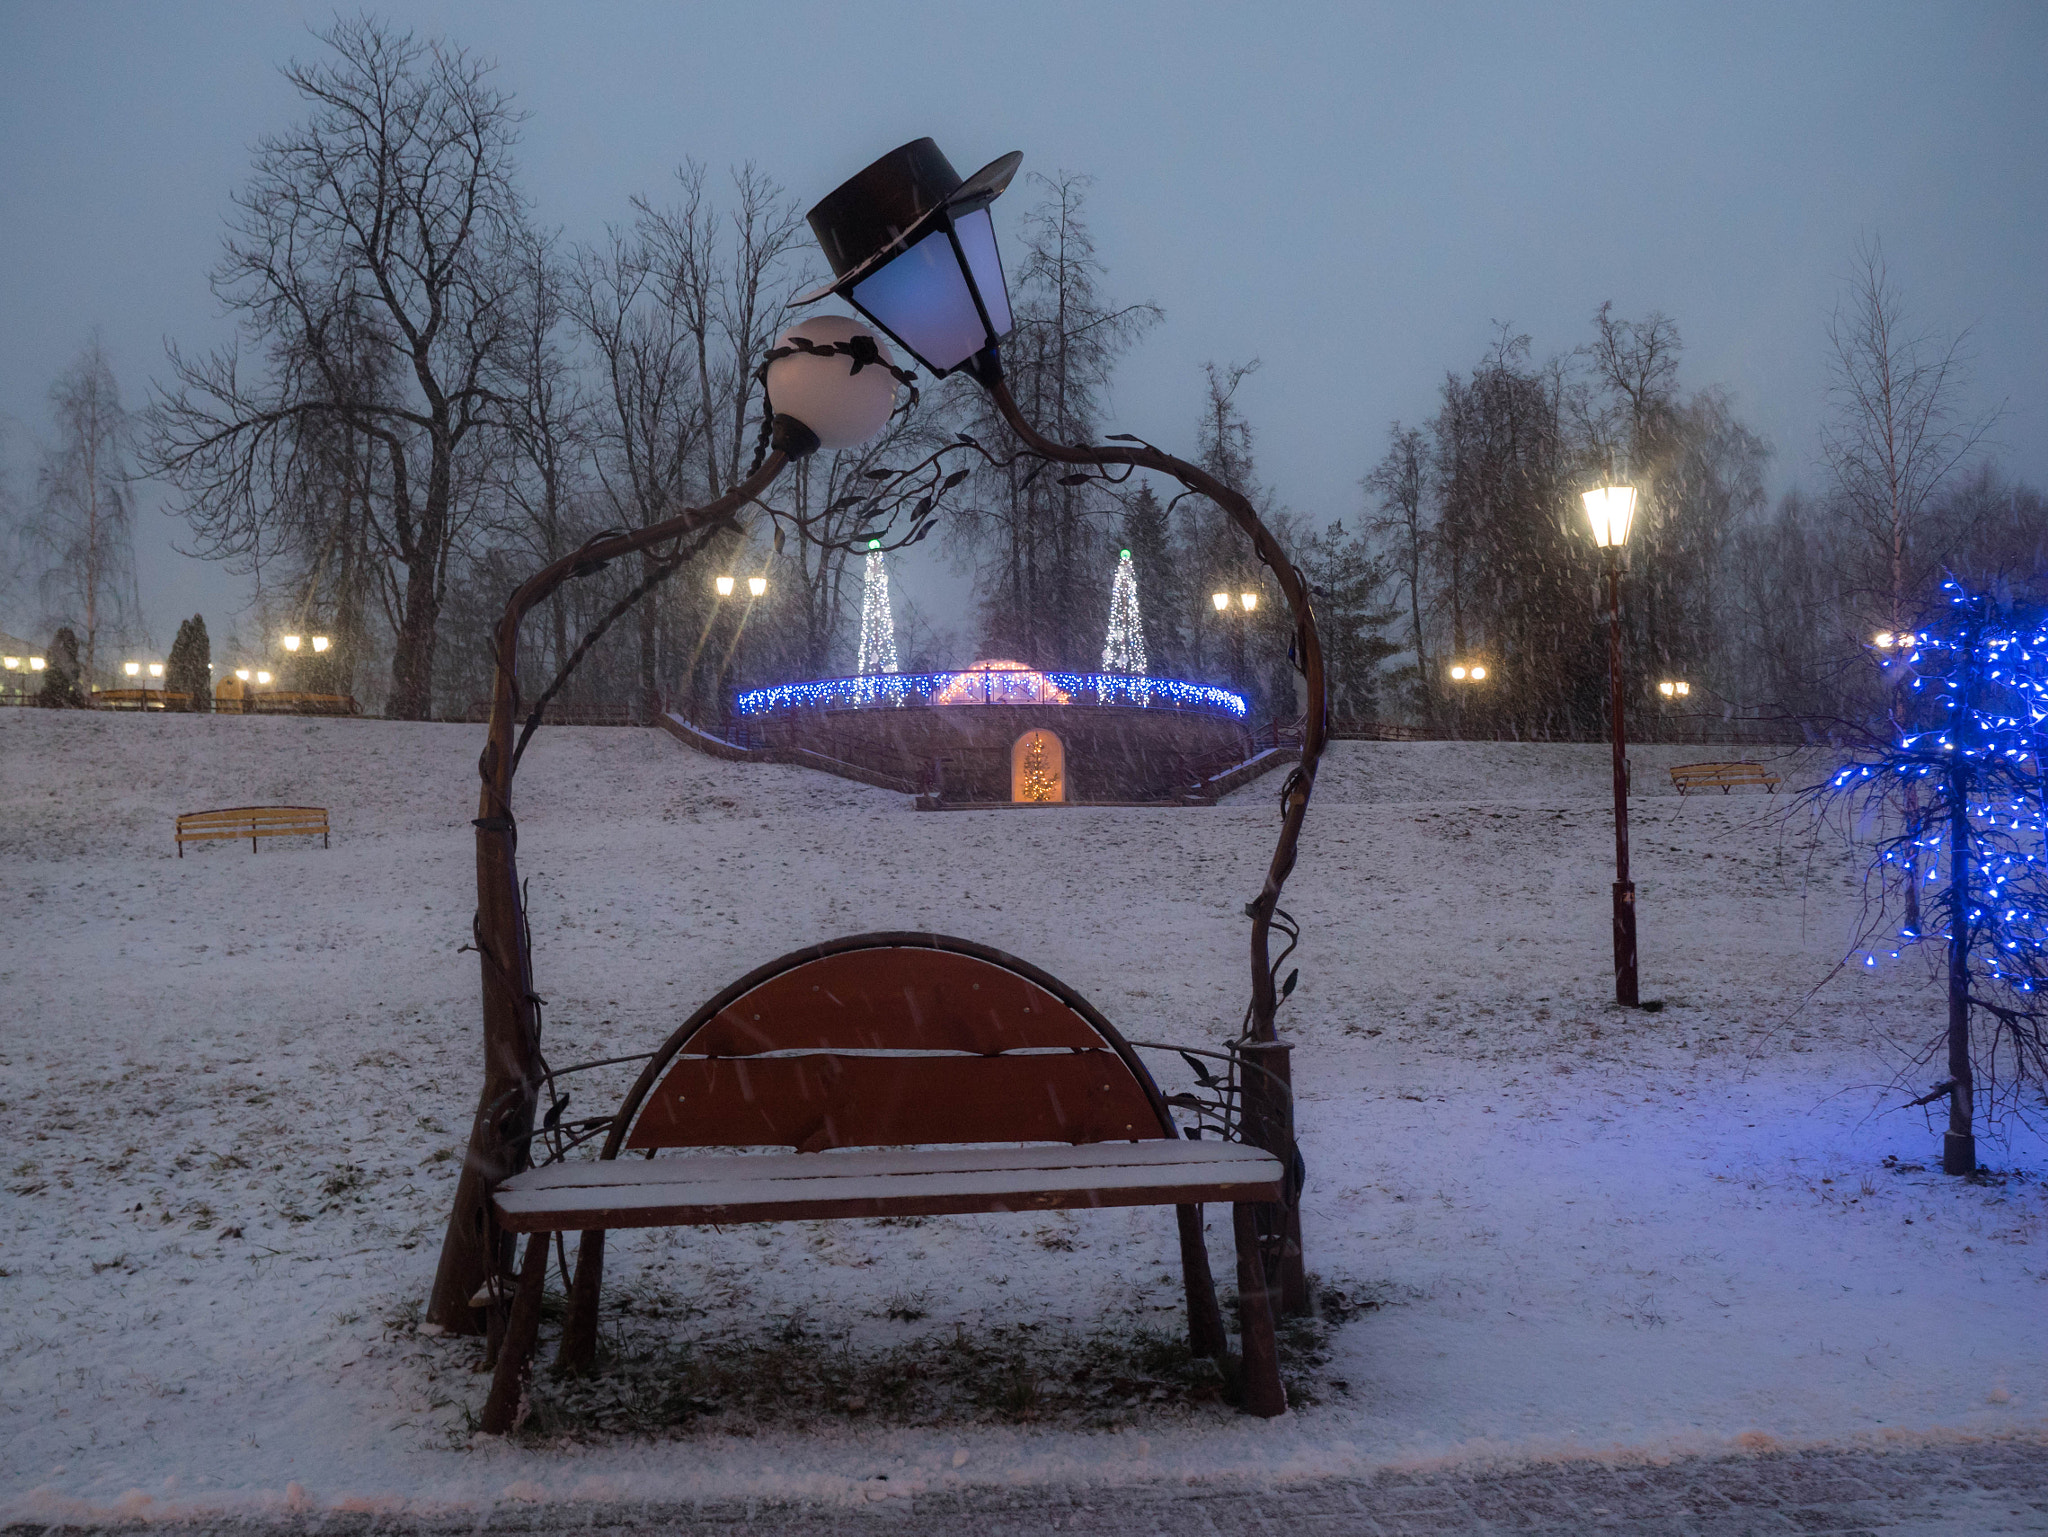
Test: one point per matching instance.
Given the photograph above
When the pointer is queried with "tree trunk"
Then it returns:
(1959, 1147)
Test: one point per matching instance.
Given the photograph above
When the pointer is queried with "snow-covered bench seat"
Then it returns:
(698, 1190)
(910, 1075)
(1687, 777)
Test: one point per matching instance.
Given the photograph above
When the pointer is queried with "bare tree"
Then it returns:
(1897, 431)
(387, 221)
(1400, 484)
(81, 534)
(1043, 578)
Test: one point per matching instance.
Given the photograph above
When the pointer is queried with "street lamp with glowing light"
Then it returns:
(913, 248)
(12, 663)
(757, 585)
(156, 669)
(724, 586)
(37, 663)
(132, 669)
(1611, 509)
(1221, 600)
(262, 677)
(241, 675)
(1674, 688)
(321, 642)
(1250, 600)
(291, 642)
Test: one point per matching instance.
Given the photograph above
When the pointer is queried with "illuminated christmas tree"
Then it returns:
(1973, 838)
(1041, 783)
(1123, 649)
(877, 628)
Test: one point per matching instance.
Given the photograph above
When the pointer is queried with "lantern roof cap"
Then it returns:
(886, 208)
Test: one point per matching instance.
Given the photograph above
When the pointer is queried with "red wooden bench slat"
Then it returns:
(825, 1100)
(893, 999)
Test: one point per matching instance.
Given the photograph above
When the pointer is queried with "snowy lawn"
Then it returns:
(237, 1086)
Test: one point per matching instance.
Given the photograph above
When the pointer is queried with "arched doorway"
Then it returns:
(1038, 767)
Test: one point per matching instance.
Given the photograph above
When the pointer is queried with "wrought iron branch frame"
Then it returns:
(515, 1072)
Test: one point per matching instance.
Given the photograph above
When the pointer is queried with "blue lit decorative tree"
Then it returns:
(1973, 839)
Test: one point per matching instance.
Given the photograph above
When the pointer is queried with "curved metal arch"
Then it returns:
(1113, 1038)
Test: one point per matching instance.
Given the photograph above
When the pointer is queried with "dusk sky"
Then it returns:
(1353, 195)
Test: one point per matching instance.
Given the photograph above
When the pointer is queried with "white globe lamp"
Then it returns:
(841, 398)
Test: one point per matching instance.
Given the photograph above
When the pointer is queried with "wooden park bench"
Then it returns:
(139, 699)
(1724, 777)
(281, 701)
(907, 1075)
(252, 822)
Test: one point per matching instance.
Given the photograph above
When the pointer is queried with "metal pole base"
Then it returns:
(1625, 989)
(1959, 1152)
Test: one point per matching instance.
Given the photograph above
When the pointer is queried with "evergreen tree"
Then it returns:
(187, 670)
(1148, 535)
(61, 690)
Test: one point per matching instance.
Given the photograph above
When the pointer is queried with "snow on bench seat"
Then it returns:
(897, 1182)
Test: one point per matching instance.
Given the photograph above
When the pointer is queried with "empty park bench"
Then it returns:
(1724, 777)
(281, 701)
(252, 822)
(905, 1075)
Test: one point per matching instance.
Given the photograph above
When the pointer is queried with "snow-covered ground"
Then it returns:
(235, 1086)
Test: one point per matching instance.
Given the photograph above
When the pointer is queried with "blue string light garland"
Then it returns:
(1082, 688)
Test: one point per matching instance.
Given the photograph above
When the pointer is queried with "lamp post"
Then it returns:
(1611, 509)
(912, 247)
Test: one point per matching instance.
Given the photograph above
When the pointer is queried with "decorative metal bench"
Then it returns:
(888, 1064)
(909, 1047)
(252, 822)
(1687, 777)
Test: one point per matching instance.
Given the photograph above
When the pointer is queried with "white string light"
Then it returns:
(1123, 650)
(877, 627)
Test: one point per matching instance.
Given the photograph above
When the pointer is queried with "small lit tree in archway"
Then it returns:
(1974, 837)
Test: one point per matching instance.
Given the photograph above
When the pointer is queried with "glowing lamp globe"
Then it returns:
(241, 675)
(1458, 673)
(156, 669)
(724, 586)
(262, 677)
(13, 663)
(37, 664)
(133, 669)
(757, 585)
(843, 400)
(1611, 509)
(1221, 600)
(1479, 675)
(291, 643)
(320, 642)
(913, 248)
(1250, 600)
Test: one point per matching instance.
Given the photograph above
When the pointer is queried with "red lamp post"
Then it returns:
(1611, 509)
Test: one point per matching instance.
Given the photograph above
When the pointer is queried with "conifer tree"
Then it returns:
(186, 670)
(61, 690)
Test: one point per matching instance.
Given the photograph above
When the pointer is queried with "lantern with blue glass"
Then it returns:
(913, 248)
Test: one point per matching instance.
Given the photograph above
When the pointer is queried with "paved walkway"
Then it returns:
(1964, 1491)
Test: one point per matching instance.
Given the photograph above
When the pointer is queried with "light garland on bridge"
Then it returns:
(988, 686)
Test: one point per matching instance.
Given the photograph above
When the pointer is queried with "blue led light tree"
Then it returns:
(1972, 839)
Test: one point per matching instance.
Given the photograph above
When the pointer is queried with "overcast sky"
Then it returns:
(1352, 194)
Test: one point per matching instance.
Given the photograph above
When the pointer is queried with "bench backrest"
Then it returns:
(892, 1040)
(257, 817)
